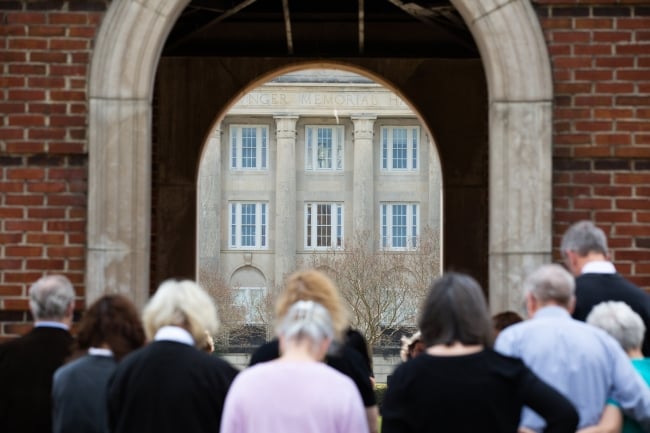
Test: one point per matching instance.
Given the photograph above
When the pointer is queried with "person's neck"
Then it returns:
(454, 349)
(65, 322)
(590, 257)
(298, 353)
(635, 353)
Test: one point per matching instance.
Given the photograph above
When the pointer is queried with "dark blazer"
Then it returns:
(79, 395)
(26, 368)
(592, 289)
(168, 387)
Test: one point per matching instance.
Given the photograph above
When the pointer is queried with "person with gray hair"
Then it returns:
(621, 322)
(581, 361)
(297, 392)
(28, 363)
(172, 385)
(459, 384)
(585, 253)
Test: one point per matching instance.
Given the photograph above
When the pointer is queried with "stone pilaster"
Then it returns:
(285, 196)
(209, 207)
(363, 205)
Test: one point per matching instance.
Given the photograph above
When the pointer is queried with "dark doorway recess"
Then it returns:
(220, 49)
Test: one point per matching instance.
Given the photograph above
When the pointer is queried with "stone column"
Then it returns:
(363, 190)
(209, 207)
(520, 198)
(285, 196)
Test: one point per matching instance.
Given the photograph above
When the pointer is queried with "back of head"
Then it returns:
(619, 321)
(584, 237)
(50, 297)
(504, 319)
(306, 320)
(551, 284)
(181, 303)
(455, 311)
(111, 320)
(313, 285)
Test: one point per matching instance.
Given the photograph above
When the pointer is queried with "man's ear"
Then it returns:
(569, 260)
(571, 306)
(531, 304)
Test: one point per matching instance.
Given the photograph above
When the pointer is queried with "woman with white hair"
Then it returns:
(172, 385)
(296, 393)
(626, 326)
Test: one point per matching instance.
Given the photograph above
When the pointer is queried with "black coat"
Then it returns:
(168, 387)
(26, 368)
(592, 289)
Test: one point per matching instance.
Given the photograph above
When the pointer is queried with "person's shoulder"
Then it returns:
(330, 374)
(218, 365)
(611, 283)
(492, 355)
(28, 342)
(67, 369)
(10, 345)
(266, 352)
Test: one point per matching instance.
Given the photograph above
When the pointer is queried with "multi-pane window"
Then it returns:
(251, 302)
(399, 148)
(399, 225)
(248, 225)
(323, 225)
(324, 148)
(249, 148)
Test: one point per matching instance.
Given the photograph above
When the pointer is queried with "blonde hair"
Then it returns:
(313, 285)
(181, 303)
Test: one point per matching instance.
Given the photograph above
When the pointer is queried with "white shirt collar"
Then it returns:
(100, 351)
(51, 324)
(174, 333)
(598, 267)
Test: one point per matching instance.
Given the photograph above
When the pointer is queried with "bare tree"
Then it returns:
(237, 316)
(382, 288)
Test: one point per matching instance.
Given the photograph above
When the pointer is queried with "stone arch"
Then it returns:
(121, 79)
(209, 195)
(247, 275)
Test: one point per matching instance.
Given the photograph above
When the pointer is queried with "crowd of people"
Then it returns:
(577, 363)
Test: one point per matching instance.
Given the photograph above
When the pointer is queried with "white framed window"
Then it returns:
(251, 302)
(248, 225)
(324, 148)
(323, 225)
(249, 149)
(400, 226)
(399, 148)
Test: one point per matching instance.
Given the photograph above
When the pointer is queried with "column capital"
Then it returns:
(363, 125)
(285, 125)
(363, 116)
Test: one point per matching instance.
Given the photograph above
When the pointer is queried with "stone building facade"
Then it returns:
(86, 106)
(302, 165)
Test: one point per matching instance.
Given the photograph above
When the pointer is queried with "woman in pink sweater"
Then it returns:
(296, 393)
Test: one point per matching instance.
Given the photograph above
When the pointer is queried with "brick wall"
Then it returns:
(600, 55)
(45, 49)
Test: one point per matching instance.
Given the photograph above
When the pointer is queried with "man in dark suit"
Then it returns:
(28, 363)
(584, 248)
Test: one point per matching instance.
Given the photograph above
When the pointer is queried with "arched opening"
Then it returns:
(519, 95)
(363, 200)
